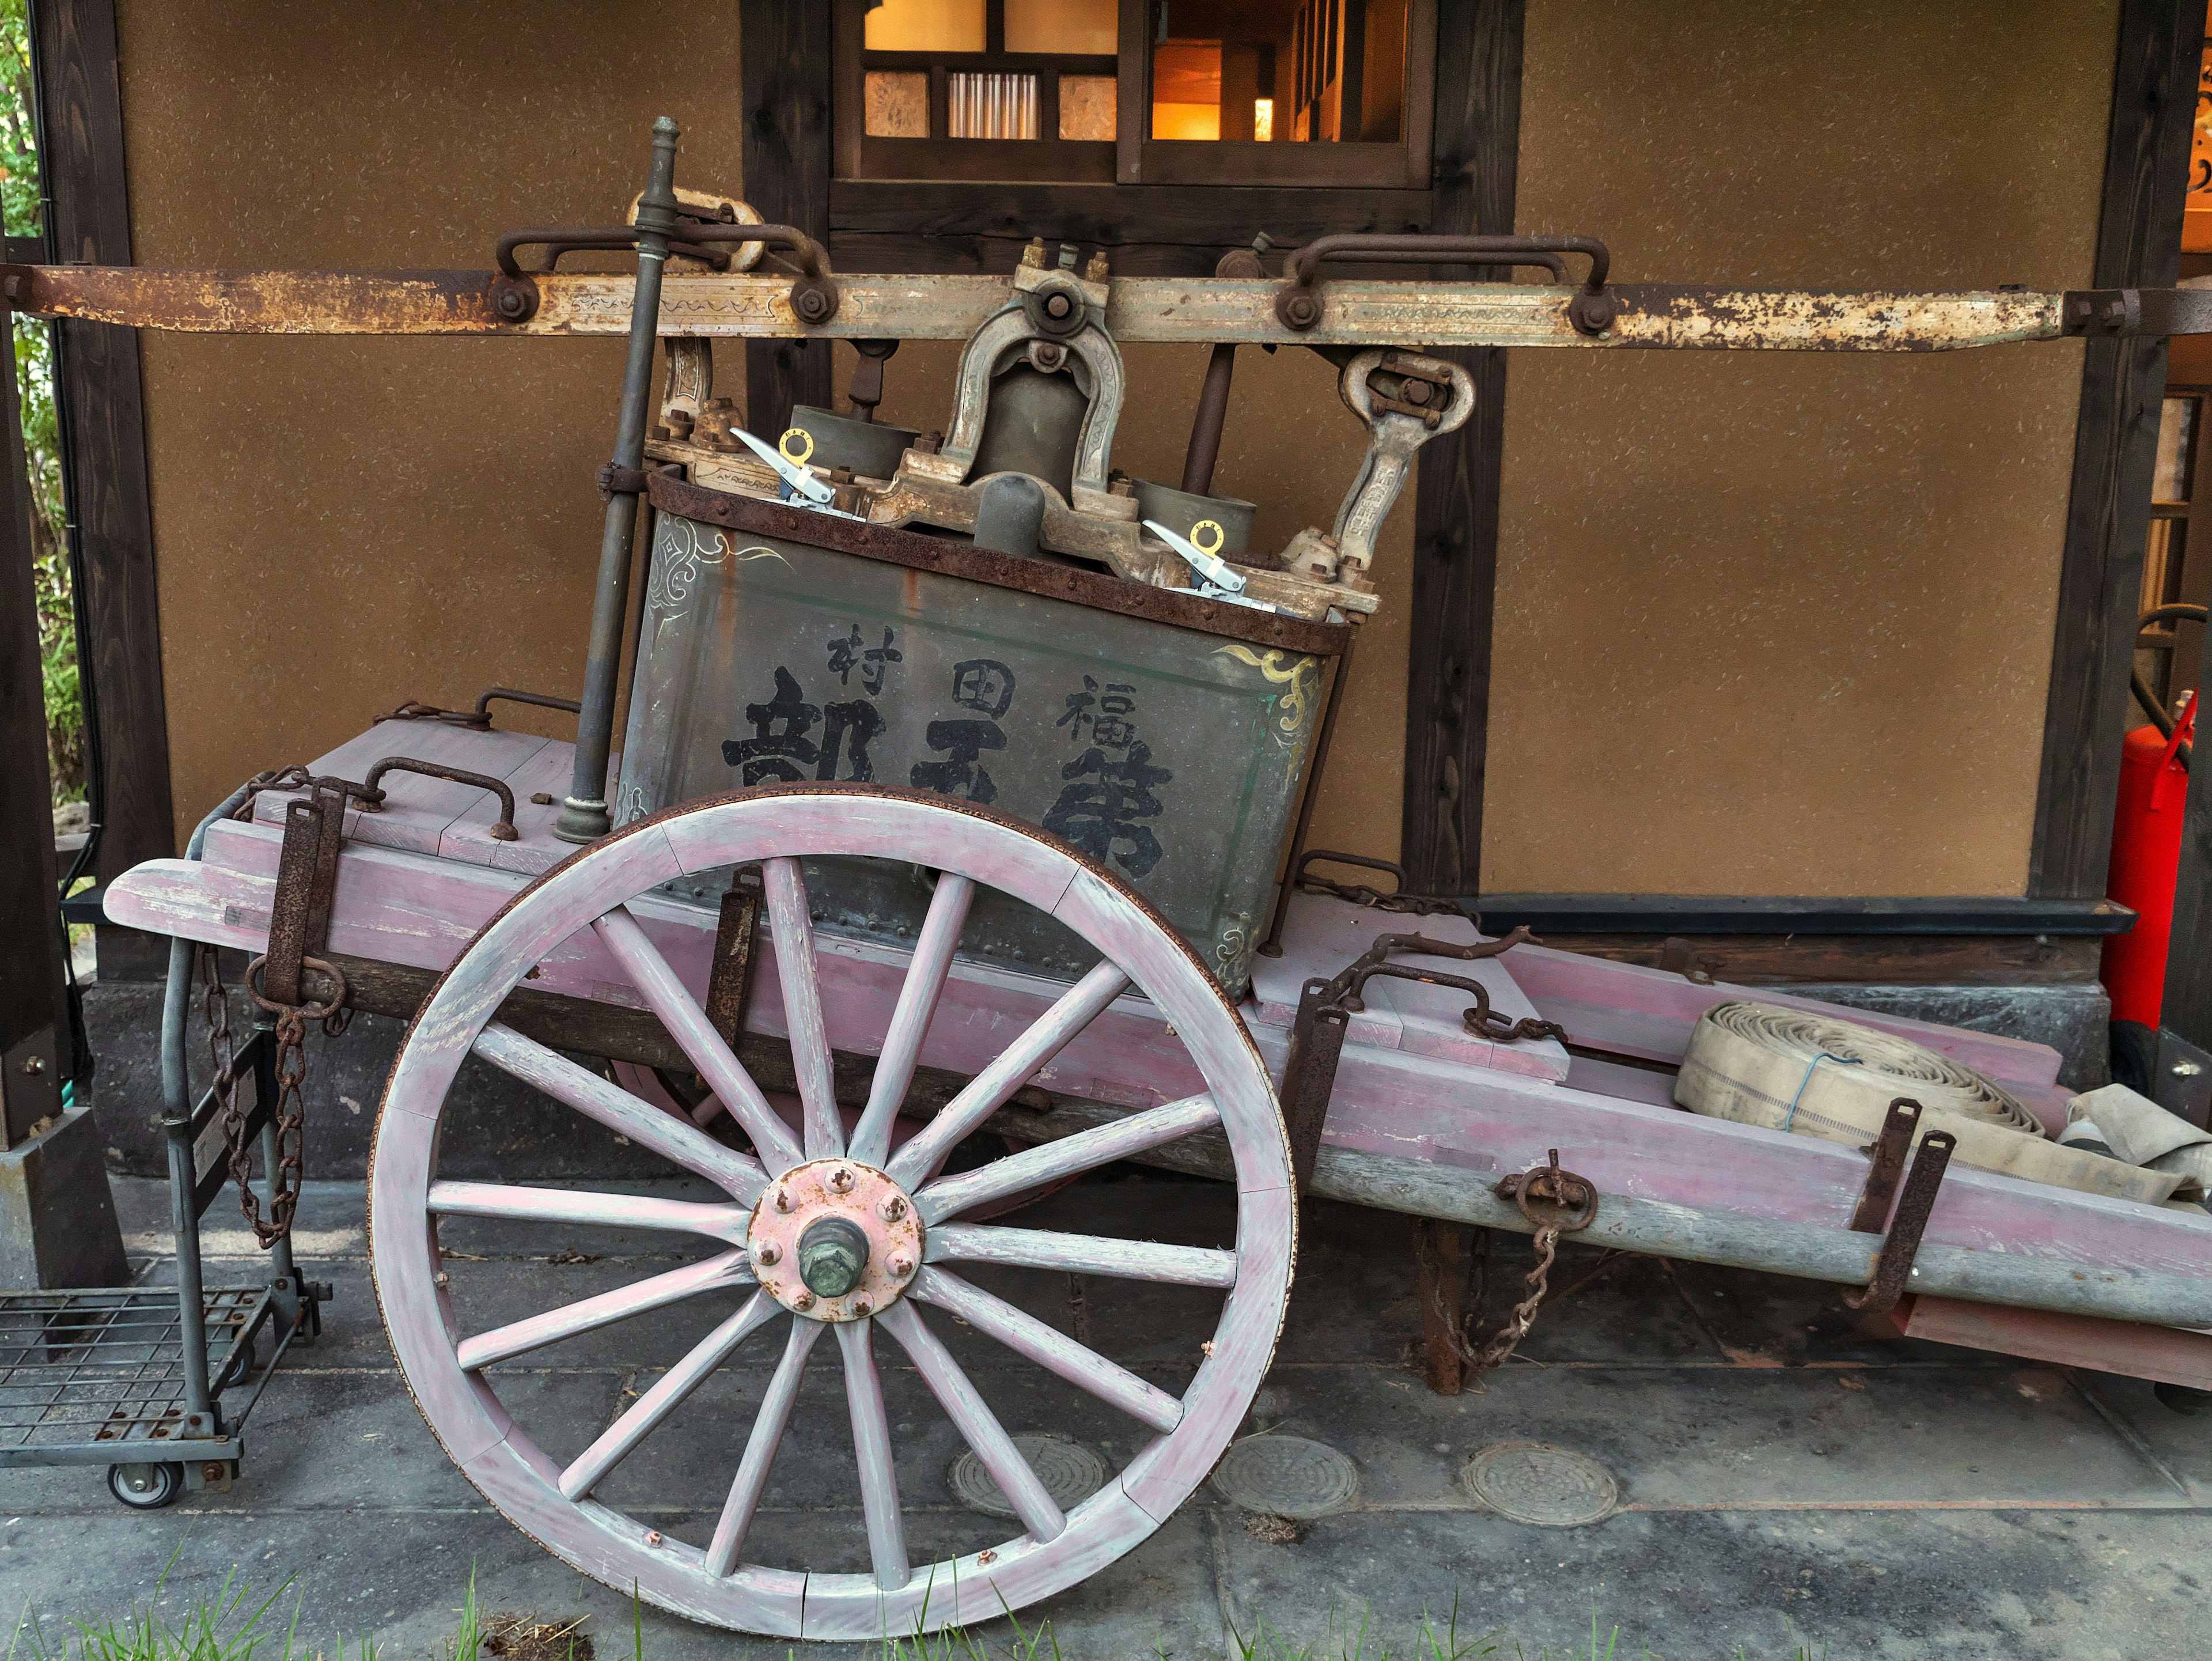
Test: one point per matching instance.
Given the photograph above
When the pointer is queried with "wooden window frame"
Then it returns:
(1404, 165)
(1132, 157)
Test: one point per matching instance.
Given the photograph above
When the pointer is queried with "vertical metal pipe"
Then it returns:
(1206, 428)
(584, 815)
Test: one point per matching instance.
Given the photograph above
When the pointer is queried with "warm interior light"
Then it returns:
(1263, 119)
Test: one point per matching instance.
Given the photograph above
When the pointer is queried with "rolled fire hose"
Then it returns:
(1813, 1075)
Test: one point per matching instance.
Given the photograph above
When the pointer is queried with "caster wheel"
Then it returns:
(147, 1487)
(833, 1245)
(237, 1370)
(2181, 1398)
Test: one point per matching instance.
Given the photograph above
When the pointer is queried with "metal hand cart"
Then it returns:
(958, 771)
(156, 1383)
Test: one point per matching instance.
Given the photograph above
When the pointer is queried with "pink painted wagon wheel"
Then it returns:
(834, 1239)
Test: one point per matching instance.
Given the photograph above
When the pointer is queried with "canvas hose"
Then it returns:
(1813, 1075)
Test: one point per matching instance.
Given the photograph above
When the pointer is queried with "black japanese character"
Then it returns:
(874, 663)
(855, 724)
(772, 754)
(1106, 714)
(1099, 810)
(983, 685)
(957, 774)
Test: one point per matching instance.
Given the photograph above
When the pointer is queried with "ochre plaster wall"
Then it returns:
(1765, 624)
(342, 524)
(1781, 624)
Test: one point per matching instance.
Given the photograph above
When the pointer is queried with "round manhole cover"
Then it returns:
(1286, 1476)
(1070, 1473)
(1535, 1482)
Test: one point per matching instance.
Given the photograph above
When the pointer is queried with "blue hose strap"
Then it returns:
(1841, 1060)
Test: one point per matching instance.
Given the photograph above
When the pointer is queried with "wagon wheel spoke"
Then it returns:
(694, 1035)
(802, 1007)
(617, 1108)
(1051, 1349)
(988, 1091)
(977, 1425)
(569, 1205)
(616, 1442)
(1071, 1156)
(727, 1269)
(917, 1002)
(1082, 1253)
(751, 1479)
(872, 1447)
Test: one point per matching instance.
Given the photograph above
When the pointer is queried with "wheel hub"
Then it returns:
(835, 1240)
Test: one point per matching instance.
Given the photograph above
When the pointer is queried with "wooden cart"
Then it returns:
(813, 1061)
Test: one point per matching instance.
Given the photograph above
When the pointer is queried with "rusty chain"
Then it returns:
(1558, 1202)
(289, 1111)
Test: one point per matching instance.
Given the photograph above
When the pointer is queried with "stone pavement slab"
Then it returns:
(1789, 1471)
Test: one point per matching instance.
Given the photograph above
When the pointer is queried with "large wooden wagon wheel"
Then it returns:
(838, 1240)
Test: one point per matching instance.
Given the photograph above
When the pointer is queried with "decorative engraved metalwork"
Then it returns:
(685, 545)
(1233, 952)
(1293, 707)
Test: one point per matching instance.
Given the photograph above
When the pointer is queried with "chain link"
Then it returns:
(1503, 1342)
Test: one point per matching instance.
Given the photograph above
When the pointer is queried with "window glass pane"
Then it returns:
(1313, 70)
(2176, 436)
(1090, 27)
(991, 106)
(1088, 107)
(898, 103)
(1187, 89)
(925, 26)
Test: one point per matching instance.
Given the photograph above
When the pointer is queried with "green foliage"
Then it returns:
(227, 1626)
(34, 381)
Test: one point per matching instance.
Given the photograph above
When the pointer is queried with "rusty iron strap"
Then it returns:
(730, 978)
(1199, 310)
(1893, 1267)
(1886, 1155)
(306, 873)
(372, 796)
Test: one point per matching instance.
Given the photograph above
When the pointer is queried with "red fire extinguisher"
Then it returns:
(2145, 855)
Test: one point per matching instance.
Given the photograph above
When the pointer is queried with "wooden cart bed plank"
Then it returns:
(405, 908)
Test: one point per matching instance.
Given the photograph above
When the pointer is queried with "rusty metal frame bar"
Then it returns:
(1206, 311)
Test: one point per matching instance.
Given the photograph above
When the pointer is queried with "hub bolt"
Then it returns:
(892, 1209)
(841, 1180)
(783, 1199)
(803, 1300)
(770, 1254)
(900, 1263)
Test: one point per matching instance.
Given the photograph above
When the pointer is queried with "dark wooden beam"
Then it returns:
(1477, 149)
(787, 143)
(34, 1049)
(103, 416)
(2115, 445)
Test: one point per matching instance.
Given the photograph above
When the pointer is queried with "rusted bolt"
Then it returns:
(653, 1536)
(928, 443)
(1297, 308)
(1119, 483)
(212, 1470)
(860, 1306)
(1048, 354)
(900, 1263)
(541, 800)
(803, 1300)
(1033, 255)
(1593, 313)
(1099, 269)
(841, 1180)
(680, 424)
(891, 1207)
(768, 1255)
(813, 300)
(514, 299)
(783, 1199)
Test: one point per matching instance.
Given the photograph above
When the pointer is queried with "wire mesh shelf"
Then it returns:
(85, 1368)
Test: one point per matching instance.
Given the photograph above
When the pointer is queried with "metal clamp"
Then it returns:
(1592, 310)
(813, 296)
(477, 719)
(1325, 1012)
(1548, 1197)
(1893, 1268)
(372, 797)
